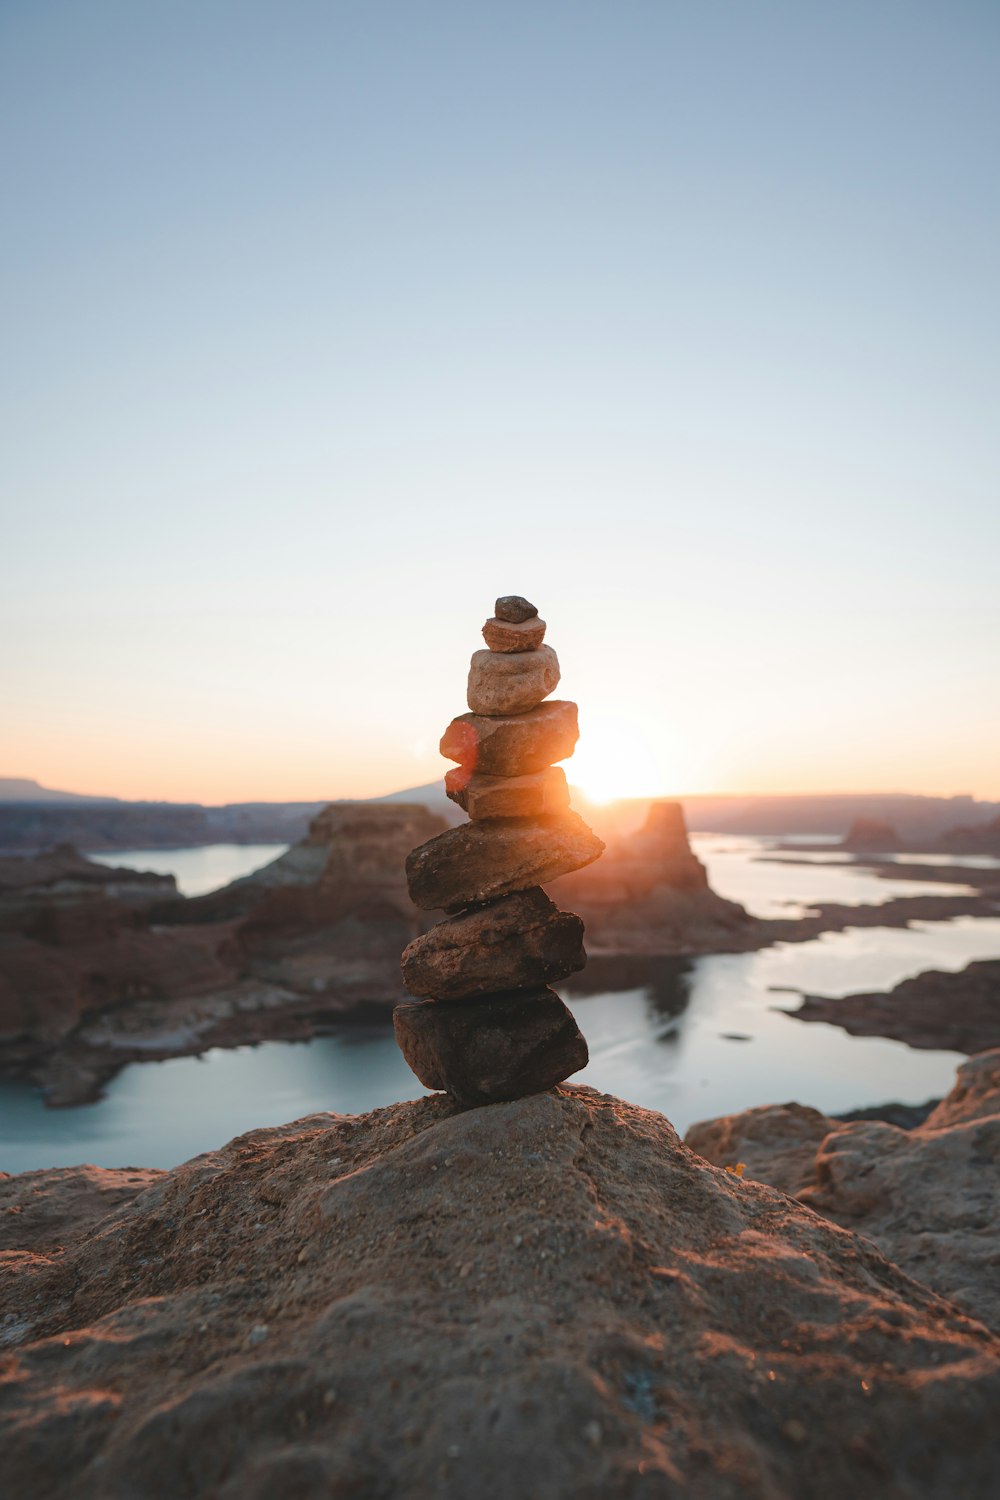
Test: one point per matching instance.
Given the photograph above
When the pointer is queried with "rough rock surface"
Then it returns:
(516, 745)
(503, 1046)
(650, 894)
(540, 795)
(518, 941)
(480, 861)
(514, 608)
(550, 1298)
(504, 683)
(944, 1011)
(504, 635)
(42, 1211)
(927, 1197)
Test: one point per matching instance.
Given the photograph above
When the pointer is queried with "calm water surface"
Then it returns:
(197, 871)
(691, 1038)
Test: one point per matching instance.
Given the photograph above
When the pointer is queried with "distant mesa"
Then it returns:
(650, 894)
(872, 836)
(975, 840)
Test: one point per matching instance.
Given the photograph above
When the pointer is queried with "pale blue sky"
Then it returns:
(323, 323)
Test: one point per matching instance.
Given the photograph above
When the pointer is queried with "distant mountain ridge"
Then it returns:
(25, 789)
(33, 817)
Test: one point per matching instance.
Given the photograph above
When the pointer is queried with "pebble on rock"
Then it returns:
(480, 861)
(519, 941)
(513, 744)
(514, 608)
(511, 683)
(502, 1046)
(502, 635)
(541, 794)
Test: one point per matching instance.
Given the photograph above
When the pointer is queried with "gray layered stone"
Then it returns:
(520, 941)
(480, 861)
(541, 794)
(514, 744)
(498, 1047)
(504, 682)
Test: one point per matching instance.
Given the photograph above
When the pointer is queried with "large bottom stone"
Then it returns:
(498, 1047)
(520, 940)
(480, 861)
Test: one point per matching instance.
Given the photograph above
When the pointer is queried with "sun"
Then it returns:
(615, 760)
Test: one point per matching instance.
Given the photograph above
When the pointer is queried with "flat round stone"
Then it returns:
(514, 608)
(501, 635)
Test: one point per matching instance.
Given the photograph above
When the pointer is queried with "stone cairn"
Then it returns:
(486, 1026)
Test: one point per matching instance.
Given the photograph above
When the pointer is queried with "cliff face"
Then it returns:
(75, 937)
(552, 1297)
(90, 980)
(650, 894)
(335, 909)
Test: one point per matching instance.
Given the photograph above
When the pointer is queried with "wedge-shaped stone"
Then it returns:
(505, 635)
(513, 682)
(517, 942)
(480, 861)
(542, 794)
(498, 1047)
(516, 744)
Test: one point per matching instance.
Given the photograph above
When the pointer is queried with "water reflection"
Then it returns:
(665, 983)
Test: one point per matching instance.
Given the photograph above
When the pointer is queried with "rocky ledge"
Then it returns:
(944, 1011)
(553, 1297)
(926, 1196)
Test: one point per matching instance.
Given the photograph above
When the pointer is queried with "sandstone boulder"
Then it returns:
(502, 683)
(551, 1298)
(502, 635)
(515, 745)
(927, 1197)
(502, 1046)
(519, 941)
(541, 794)
(480, 861)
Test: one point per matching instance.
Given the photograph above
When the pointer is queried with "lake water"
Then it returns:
(690, 1038)
(197, 871)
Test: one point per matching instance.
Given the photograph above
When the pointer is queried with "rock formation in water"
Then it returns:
(650, 894)
(551, 1297)
(872, 836)
(486, 1026)
(944, 1011)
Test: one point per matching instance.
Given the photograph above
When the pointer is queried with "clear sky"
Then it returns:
(325, 322)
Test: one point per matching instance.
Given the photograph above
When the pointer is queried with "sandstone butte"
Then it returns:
(553, 1297)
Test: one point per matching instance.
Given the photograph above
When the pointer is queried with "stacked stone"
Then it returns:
(486, 1026)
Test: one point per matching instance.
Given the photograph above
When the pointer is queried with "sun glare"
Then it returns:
(619, 760)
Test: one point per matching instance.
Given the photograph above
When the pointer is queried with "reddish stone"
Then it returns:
(519, 941)
(515, 744)
(480, 861)
(542, 794)
(502, 635)
(498, 1047)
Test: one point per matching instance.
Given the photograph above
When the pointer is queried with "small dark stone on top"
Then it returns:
(514, 609)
